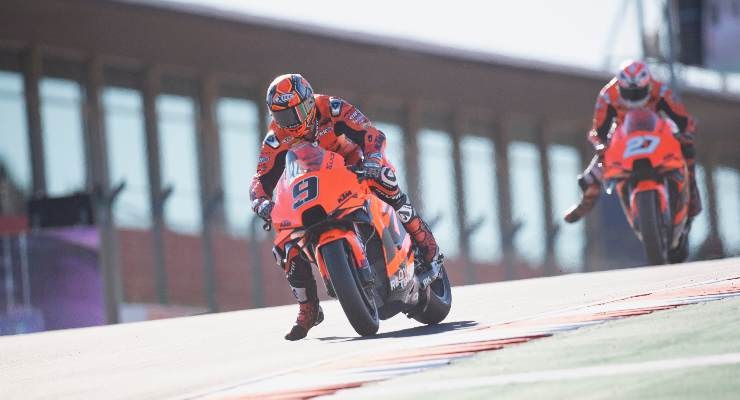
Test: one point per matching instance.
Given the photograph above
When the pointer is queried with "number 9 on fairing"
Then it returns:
(305, 191)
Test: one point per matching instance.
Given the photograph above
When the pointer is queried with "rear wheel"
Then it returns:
(438, 301)
(654, 238)
(358, 304)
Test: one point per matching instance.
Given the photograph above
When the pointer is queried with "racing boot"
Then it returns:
(303, 286)
(432, 258)
(588, 201)
(421, 235)
(590, 184)
(385, 186)
(423, 239)
(310, 314)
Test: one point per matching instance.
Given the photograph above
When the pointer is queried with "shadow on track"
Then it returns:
(409, 332)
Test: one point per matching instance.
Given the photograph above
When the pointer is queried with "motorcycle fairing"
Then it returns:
(301, 189)
(644, 155)
(318, 197)
(632, 142)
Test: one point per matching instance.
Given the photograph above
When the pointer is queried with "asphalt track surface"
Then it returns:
(242, 355)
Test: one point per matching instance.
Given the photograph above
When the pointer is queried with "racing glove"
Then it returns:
(371, 169)
(263, 207)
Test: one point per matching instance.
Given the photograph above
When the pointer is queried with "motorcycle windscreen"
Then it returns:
(302, 159)
(640, 120)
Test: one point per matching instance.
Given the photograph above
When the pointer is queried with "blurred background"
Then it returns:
(129, 132)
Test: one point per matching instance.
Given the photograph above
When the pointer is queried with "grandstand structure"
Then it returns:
(156, 110)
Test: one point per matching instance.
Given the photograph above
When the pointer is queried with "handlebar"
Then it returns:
(357, 170)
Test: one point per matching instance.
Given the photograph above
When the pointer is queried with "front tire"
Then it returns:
(680, 253)
(651, 228)
(358, 304)
(438, 301)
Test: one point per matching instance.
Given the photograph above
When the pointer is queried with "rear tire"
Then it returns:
(651, 227)
(438, 301)
(358, 305)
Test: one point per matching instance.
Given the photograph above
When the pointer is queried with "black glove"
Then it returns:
(263, 208)
(371, 169)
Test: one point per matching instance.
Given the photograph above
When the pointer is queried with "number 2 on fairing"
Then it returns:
(640, 145)
(305, 191)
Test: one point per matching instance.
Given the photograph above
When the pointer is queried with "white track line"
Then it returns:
(547, 376)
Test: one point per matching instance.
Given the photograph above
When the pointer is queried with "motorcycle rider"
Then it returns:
(633, 87)
(298, 114)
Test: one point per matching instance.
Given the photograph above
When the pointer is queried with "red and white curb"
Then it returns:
(354, 370)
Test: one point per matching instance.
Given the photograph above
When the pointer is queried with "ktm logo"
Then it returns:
(282, 98)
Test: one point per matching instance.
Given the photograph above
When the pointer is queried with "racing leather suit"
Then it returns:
(609, 112)
(339, 127)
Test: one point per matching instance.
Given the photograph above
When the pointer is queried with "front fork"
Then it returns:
(630, 208)
(357, 251)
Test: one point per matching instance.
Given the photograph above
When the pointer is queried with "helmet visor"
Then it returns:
(295, 116)
(633, 93)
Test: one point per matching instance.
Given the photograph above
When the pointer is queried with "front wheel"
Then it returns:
(681, 252)
(358, 304)
(653, 234)
(438, 301)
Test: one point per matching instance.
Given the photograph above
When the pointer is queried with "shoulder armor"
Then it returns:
(335, 106)
(271, 140)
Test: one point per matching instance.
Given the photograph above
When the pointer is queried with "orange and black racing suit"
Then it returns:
(611, 110)
(340, 127)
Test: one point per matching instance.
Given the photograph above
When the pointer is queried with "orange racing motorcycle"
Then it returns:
(645, 166)
(326, 213)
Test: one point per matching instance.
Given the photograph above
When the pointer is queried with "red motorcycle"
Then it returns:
(645, 166)
(326, 214)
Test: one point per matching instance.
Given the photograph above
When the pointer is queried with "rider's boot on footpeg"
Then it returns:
(432, 258)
